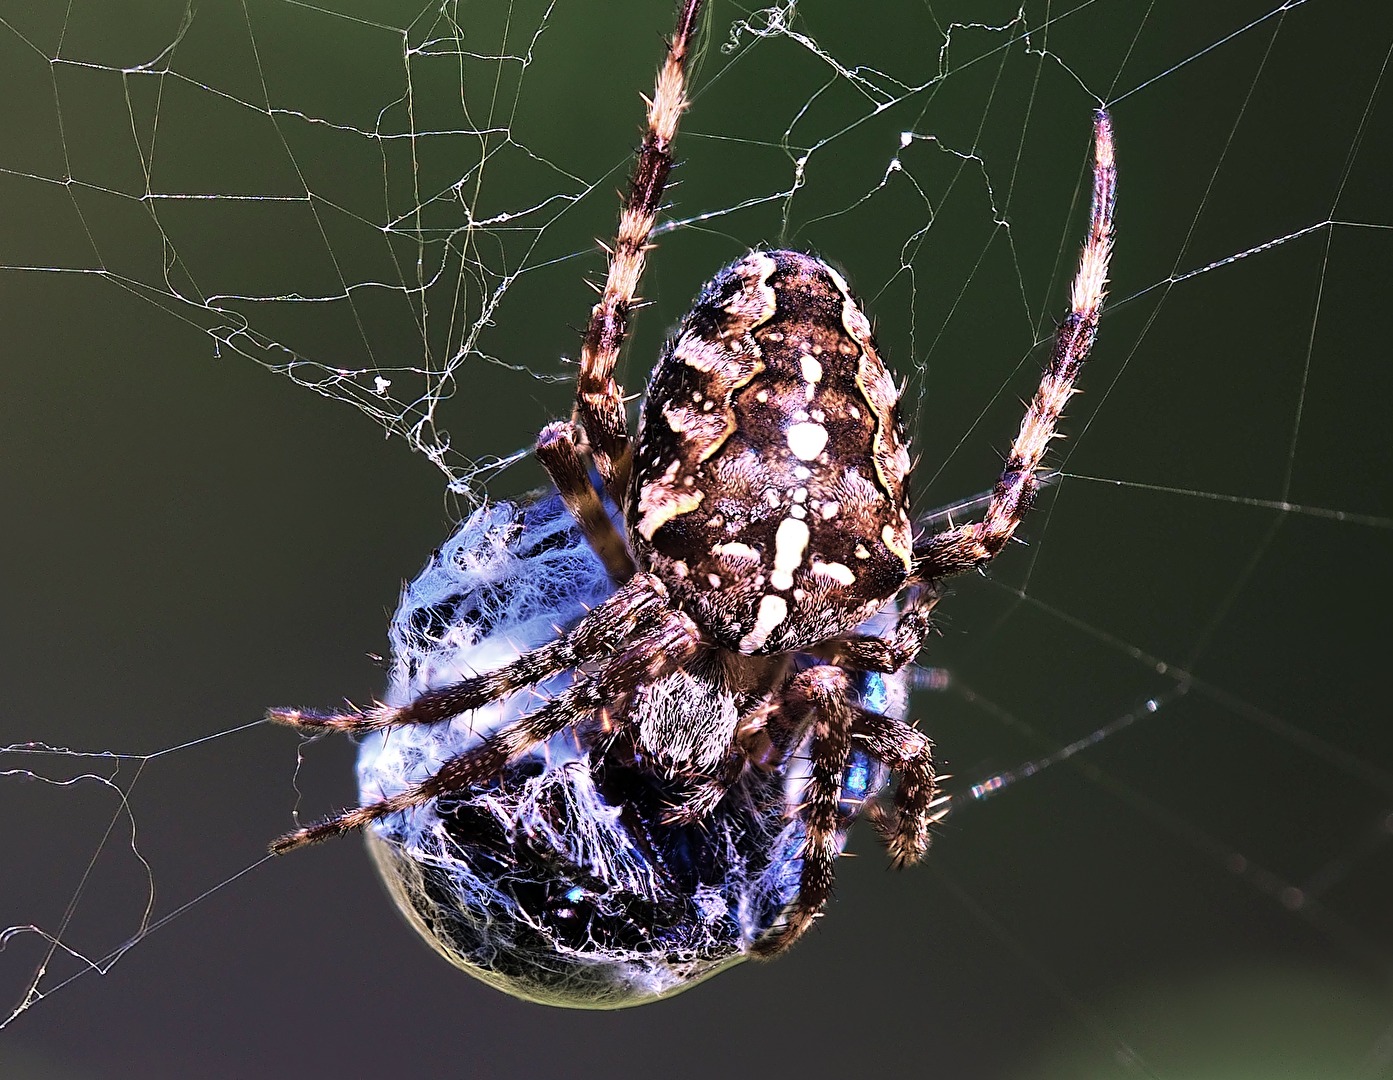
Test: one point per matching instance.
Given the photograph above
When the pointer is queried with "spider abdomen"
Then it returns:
(770, 478)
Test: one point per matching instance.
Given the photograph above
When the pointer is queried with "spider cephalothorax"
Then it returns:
(765, 583)
(769, 484)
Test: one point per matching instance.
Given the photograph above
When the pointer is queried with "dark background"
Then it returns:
(189, 537)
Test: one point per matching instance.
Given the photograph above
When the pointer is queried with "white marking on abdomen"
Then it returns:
(806, 440)
(772, 611)
(790, 542)
(838, 572)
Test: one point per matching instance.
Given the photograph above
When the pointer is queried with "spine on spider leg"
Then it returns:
(969, 546)
(600, 403)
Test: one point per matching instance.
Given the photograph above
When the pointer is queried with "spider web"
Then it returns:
(1171, 848)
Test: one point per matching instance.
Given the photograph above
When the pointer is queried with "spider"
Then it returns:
(765, 523)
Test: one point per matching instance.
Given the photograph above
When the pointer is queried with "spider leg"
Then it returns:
(823, 694)
(908, 752)
(945, 517)
(670, 642)
(892, 651)
(560, 456)
(967, 547)
(599, 633)
(599, 399)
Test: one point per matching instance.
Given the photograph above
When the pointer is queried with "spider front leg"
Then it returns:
(968, 547)
(670, 642)
(599, 399)
(600, 632)
(561, 457)
(823, 694)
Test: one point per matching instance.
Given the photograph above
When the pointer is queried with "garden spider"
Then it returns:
(765, 506)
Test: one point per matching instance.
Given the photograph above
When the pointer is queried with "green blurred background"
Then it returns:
(190, 536)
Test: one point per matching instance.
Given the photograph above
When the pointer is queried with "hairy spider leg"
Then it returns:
(629, 610)
(672, 641)
(821, 694)
(560, 455)
(968, 547)
(908, 753)
(599, 399)
(824, 694)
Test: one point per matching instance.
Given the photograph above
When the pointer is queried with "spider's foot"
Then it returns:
(328, 829)
(292, 840)
(907, 847)
(905, 836)
(354, 723)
